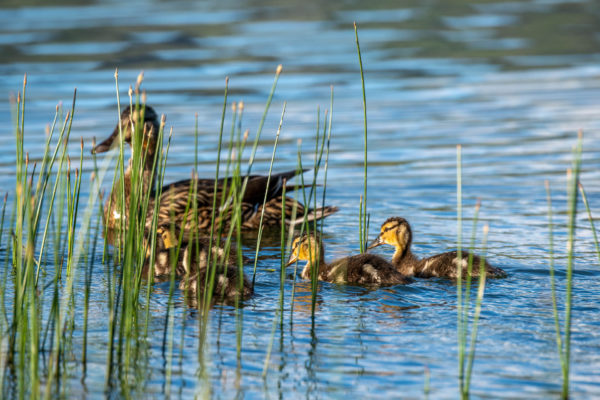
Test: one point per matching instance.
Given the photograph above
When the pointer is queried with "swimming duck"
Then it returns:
(227, 286)
(364, 269)
(174, 197)
(192, 256)
(396, 231)
(192, 265)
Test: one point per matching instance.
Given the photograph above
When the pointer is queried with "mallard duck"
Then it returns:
(396, 231)
(364, 269)
(174, 197)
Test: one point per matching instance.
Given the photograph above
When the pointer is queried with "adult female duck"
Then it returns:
(174, 197)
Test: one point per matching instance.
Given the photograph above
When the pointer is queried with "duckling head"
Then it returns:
(394, 231)
(306, 247)
(142, 114)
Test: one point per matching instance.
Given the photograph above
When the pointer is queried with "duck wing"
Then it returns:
(446, 265)
(364, 269)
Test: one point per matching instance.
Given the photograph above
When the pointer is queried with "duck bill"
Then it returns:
(108, 143)
(375, 243)
(293, 259)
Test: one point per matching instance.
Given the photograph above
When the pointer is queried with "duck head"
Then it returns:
(306, 247)
(394, 231)
(129, 120)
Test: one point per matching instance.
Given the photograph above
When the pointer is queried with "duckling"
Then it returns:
(364, 269)
(227, 286)
(192, 256)
(173, 200)
(192, 266)
(396, 231)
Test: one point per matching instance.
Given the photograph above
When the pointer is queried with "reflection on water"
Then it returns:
(510, 81)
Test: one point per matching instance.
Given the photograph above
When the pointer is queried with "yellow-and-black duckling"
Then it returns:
(174, 197)
(396, 231)
(363, 269)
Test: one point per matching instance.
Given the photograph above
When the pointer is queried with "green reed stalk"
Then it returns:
(160, 175)
(226, 185)
(252, 155)
(329, 125)
(589, 213)
(43, 179)
(480, 293)
(288, 246)
(559, 345)
(363, 231)
(291, 233)
(62, 313)
(317, 163)
(262, 212)
(240, 264)
(135, 244)
(312, 198)
(459, 300)
(466, 358)
(279, 311)
(3, 316)
(259, 130)
(17, 253)
(572, 181)
(467, 294)
(94, 188)
(168, 332)
(281, 286)
(564, 346)
(114, 295)
(216, 185)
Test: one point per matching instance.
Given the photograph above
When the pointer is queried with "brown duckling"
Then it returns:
(396, 231)
(192, 256)
(228, 285)
(192, 265)
(174, 197)
(364, 269)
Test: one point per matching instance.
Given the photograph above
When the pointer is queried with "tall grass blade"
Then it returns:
(591, 219)
(363, 229)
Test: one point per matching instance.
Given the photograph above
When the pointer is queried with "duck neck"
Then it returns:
(114, 209)
(403, 257)
(319, 265)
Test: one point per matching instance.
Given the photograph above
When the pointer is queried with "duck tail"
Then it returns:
(314, 215)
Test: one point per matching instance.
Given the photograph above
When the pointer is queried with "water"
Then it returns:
(511, 82)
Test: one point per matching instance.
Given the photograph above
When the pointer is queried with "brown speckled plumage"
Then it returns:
(396, 231)
(173, 199)
(362, 269)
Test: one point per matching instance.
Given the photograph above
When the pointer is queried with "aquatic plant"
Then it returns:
(563, 339)
(466, 355)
